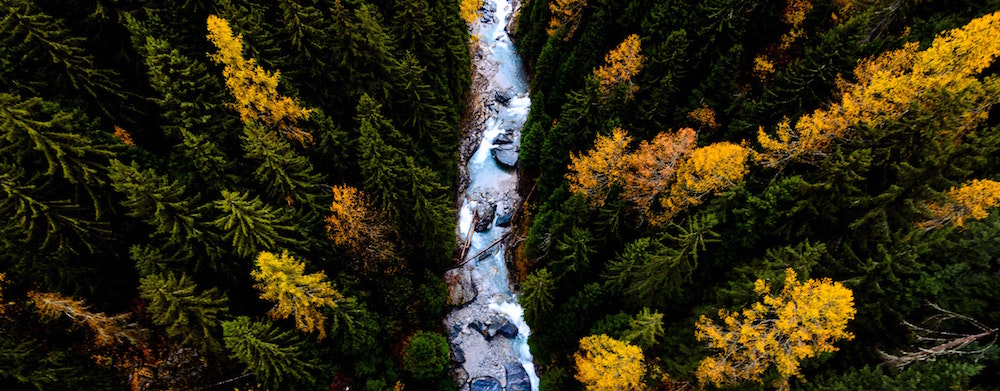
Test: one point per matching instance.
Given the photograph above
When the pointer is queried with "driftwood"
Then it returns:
(468, 238)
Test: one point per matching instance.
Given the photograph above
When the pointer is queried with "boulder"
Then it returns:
(508, 330)
(503, 139)
(485, 383)
(457, 354)
(459, 374)
(505, 155)
(461, 290)
(501, 98)
(517, 377)
(485, 213)
(504, 220)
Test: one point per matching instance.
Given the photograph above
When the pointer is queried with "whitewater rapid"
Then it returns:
(486, 351)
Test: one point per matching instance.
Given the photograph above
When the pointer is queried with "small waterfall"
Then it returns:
(486, 329)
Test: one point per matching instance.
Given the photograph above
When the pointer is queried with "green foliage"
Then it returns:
(645, 328)
(275, 357)
(536, 295)
(176, 304)
(252, 226)
(426, 355)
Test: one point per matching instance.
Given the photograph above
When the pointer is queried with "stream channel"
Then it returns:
(486, 328)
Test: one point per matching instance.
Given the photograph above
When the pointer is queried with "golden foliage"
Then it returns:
(621, 64)
(969, 202)
(468, 10)
(801, 322)
(891, 83)
(123, 135)
(3, 304)
(353, 223)
(106, 329)
(282, 280)
(762, 67)
(704, 116)
(794, 14)
(606, 364)
(255, 89)
(604, 165)
(711, 169)
(653, 167)
(566, 14)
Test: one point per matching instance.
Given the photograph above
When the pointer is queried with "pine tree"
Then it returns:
(424, 118)
(381, 164)
(536, 295)
(282, 280)
(645, 328)
(653, 167)
(711, 169)
(176, 303)
(179, 218)
(42, 42)
(252, 226)
(275, 357)
(285, 174)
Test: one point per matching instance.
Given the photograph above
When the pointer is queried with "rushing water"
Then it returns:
(487, 331)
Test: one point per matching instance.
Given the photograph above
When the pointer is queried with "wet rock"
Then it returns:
(505, 155)
(503, 138)
(501, 98)
(480, 327)
(457, 354)
(461, 290)
(517, 377)
(507, 330)
(485, 383)
(504, 220)
(459, 374)
(485, 213)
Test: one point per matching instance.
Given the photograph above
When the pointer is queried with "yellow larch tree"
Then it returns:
(254, 88)
(566, 16)
(704, 116)
(607, 364)
(354, 224)
(890, 84)
(468, 10)
(282, 280)
(711, 169)
(968, 202)
(794, 14)
(802, 321)
(621, 64)
(105, 329)
(653, 168)
(595, 172)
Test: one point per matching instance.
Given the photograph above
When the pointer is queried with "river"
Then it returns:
(486, 328)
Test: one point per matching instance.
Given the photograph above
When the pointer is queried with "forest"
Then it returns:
(723, 194)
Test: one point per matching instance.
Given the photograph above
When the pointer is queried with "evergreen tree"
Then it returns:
(276, 358)
(285, 174)
(252, 226)
(381, 164)
(186, 313)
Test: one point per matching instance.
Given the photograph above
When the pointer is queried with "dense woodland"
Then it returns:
(762, 194)
(222, 194)
(227, 194)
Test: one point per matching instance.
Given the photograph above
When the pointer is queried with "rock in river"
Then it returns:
(485, 383)
(460, 287)
(505, 155)
(517, 377)
(503, 138)
(504, 220)
(485, 212)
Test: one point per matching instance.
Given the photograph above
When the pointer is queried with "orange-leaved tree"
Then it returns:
(606, 164)
(889, 85)
(711, 169)
(653, 169)
(354, 224)
(282, 280)
(607, 364)
(804, 320)
(106, 329)
(621, 64)
(468, 10)
(566, 16)
(968, 202)
(254, 88)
